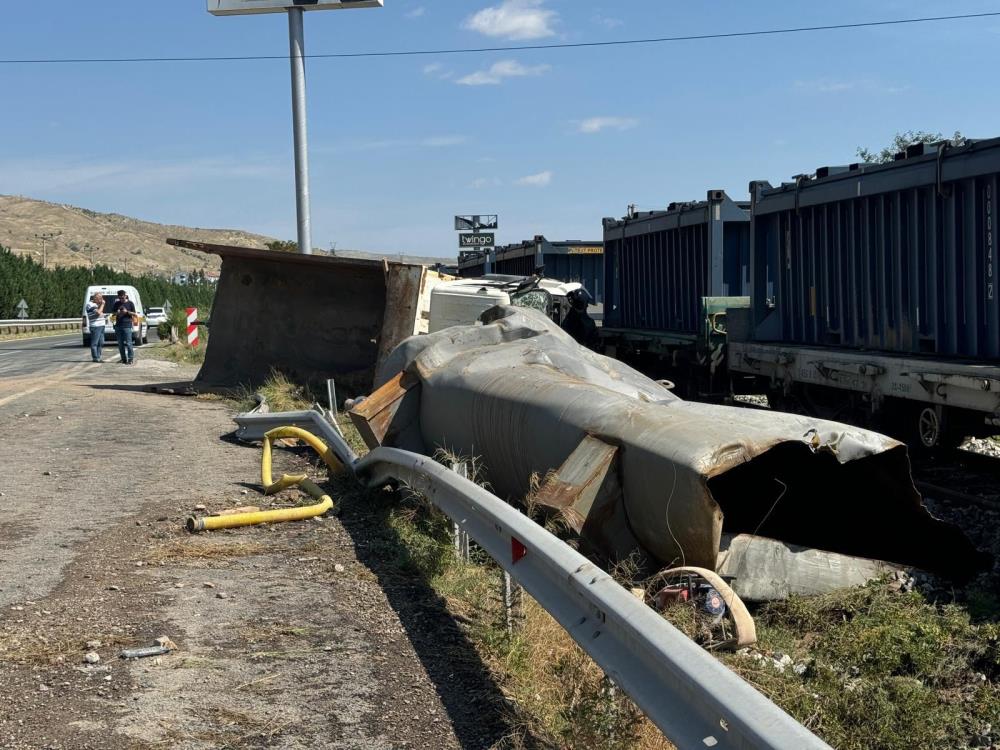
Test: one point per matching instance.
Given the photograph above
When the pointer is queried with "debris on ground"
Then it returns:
(631, 467)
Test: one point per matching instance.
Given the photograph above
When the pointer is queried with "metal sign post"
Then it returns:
(470, 226)
(296, 56)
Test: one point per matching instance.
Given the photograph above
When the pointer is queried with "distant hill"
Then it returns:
(124, 243)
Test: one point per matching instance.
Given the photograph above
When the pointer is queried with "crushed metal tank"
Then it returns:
(633, 467)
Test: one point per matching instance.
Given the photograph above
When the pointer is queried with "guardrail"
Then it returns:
(27, 326)
(693, 699)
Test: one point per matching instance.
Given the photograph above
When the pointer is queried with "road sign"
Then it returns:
(167, 308)
(475, 222)
(22, 309)
(246, 7)
(476, 240)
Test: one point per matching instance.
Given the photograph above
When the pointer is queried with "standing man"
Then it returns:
(124, 310)
(96, 320)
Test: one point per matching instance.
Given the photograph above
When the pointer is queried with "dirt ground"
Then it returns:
(298, 635)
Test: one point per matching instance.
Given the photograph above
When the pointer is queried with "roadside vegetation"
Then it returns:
(58, 292)
(870, 667)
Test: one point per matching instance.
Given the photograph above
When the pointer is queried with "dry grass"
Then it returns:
(179, 352)
(281, 394)
(565, 694)
(205, 549)
(557, 693)
(35, 647)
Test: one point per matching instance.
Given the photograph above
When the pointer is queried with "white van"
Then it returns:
(140, 333)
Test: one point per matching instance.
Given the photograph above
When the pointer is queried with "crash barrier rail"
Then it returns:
(27, 326)
(255, 426)
(694, 699)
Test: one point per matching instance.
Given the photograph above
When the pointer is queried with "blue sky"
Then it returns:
(550, 140)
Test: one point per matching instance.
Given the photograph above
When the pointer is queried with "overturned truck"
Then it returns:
(633, 468)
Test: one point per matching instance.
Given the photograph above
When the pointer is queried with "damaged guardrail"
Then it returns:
(694, 699)
(690, 696)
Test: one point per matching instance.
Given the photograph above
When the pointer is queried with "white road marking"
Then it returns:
(61, 375)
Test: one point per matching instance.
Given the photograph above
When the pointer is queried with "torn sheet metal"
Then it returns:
(761, 569)
(521, 395)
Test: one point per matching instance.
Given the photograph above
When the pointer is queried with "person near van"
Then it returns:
(124, 310)
(96, 320)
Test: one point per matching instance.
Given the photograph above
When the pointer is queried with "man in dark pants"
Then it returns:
(124, 310)
(578, 322)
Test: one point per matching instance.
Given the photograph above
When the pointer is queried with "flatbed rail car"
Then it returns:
(670, 276)
(875, 295)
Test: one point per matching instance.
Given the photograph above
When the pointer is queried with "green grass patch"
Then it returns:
(883, 669)
(178, 352)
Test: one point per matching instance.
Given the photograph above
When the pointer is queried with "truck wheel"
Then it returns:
(86, 341)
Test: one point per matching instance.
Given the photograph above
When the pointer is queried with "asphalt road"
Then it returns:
(50, 355)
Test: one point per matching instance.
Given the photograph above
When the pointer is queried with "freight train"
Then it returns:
(865, 293)
(566, 260)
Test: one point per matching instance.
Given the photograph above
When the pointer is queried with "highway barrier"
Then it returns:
(9, 327)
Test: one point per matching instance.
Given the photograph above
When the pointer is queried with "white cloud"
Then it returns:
(863, 85)
(434, 141)
(514, 19)
(36, 177)
(535, 180)
(442, 141)
(597, 124)
(607, 22)
(484, 182)
(437, 70)
(416, 12)
(495, 74)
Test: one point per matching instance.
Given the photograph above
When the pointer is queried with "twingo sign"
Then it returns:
(476, 240)
(244, 7)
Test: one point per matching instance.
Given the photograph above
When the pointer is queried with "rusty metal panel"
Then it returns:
(898, 257)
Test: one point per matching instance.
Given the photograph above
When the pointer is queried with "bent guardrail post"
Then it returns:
(694, 700)
(254, 426)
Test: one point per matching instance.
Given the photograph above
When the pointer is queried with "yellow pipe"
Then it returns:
(323, 504)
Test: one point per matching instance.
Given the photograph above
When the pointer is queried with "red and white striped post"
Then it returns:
(192, 316)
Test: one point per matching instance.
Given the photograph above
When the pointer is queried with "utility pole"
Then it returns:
(296, 55)
(44, 238)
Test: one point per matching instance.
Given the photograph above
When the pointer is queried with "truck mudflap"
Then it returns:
(631, 466)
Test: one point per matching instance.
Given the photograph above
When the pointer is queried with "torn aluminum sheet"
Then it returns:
(632, 466)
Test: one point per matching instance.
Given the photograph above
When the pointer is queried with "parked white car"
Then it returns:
(156, 316)
(140, 333)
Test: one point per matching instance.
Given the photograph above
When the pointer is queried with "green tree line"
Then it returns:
(58, 292)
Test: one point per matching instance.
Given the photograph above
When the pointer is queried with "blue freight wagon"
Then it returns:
(566, 260)
(671, 275)
(875, 296)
